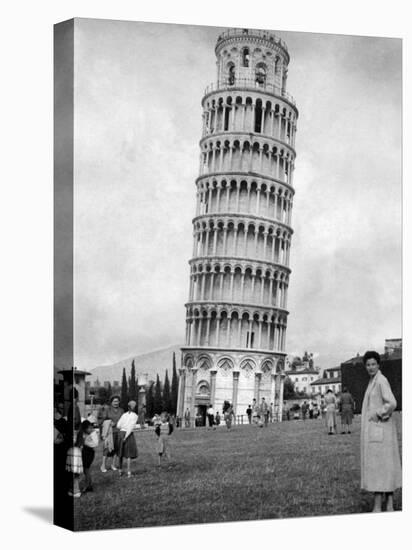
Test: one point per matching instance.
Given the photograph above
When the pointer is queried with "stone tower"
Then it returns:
(236, 315)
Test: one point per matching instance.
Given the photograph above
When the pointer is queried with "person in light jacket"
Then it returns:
(380, 461)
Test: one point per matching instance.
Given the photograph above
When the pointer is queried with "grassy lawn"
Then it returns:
(290, 469)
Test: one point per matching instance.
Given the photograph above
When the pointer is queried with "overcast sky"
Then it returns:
(138, 89)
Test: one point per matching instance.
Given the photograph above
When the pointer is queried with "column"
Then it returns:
(221, 285)
(232, 276)
(193, 402)
(242, 287)
(234, 241)
(232, 123)
(271, 291)
(181, 394)
(260, 334)
(215, 240)
(258, 201)
(208, 319)
(190, 330)
(276, 204)
(230, 160)
(227, 195)
(206, 253)
(262, 288)
(277, 165)
(273, 390)
(256, 240)
(262, 125)
(237, 196)
(229, 322)
(265, 241)
(202, 291)
(212, 386)
(244, 251)
(235, 390)
(258, 376)
(273, 247)
(272, 131)
(224, 239)
(280, 125)
(218, 189)
(282, 384)
(212, 275)
(239, 333)
(217, 331)
(194, 243)
(191, 287)
(213, 159)
(253, 287)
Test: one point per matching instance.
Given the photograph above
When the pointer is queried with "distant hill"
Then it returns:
(152, 363)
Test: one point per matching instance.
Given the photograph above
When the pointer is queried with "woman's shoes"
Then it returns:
(112, 467)
(103, 469)
(129, 474)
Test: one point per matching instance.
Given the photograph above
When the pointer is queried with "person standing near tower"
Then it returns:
(380, 462)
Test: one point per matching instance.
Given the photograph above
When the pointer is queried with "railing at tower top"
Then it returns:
(250, 84)
(252, 32)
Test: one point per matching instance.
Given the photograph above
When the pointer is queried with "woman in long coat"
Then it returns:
(346, 407)
(330, 402)
(380, 462)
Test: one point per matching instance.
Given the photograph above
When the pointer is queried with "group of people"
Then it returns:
(344, 405)
(75, 441)
(260, 414)
(380, 459)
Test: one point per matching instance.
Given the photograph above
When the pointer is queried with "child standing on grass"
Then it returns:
(89, 441)
(163, 430)
(127, 441)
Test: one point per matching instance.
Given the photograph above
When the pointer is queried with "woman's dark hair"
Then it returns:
(371, 355)
(345, 389)
(113, 398)
(83, 428)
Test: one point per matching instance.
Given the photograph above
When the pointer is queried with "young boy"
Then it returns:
(163, 430)
(90, 442)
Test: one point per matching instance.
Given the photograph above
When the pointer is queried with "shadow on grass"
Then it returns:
(43, 513)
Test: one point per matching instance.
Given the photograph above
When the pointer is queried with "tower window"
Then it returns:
(250, 337)
(258, 117)
(231, 75)
(246, 57)
(261, 75)
(226, 124)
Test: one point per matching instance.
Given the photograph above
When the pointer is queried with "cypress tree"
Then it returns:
(124, 398)
(132, 383)
(175, 387)
(149, 399)
(157, 398)
(167, 404)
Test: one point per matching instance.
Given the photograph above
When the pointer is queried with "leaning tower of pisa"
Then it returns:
(236, 315)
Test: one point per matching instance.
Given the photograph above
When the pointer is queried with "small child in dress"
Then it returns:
(163, 430)
(89, 441)
(74, 466)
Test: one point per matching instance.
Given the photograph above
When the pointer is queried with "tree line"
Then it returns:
(160, 396)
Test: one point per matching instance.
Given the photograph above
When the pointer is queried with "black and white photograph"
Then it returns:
(228, 233)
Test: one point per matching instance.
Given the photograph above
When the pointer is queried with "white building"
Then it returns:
(303, 378)
(331, 379)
